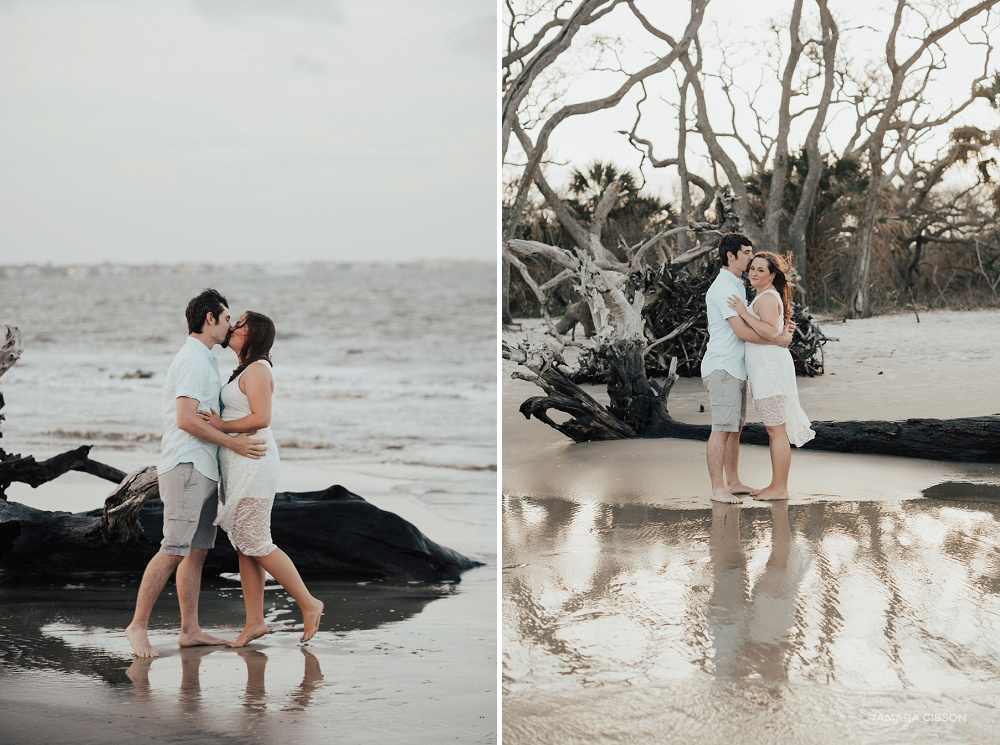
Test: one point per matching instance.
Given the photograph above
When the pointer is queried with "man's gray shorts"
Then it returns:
(728, 398)
(190, 503)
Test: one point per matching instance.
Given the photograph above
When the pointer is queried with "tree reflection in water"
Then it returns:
(882, 596)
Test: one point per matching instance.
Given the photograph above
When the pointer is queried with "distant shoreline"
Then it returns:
(110, 269)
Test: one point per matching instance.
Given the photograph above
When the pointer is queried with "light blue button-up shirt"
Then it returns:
(725, 348)
(194, 373)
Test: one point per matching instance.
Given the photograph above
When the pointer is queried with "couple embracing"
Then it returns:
(748, 349)
(198, 448)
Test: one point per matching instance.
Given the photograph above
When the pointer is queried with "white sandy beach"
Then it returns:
(890, 367)
(635, 612)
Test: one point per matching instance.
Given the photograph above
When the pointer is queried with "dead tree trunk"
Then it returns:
(633, 399)
(815, 165)
(860, 283)
(505, 317)
(10, 352)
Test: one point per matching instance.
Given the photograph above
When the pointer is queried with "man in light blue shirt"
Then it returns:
(723, 370)
(188, 473)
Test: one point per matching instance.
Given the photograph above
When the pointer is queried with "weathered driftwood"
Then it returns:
(10, 348)
(969, 439)
(972, 439)
(28, 471)
(10, 352)
(330, 534)
(589, 419)
(577, 312)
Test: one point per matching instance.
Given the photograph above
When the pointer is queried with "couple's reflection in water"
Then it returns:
(255, 697)
(750, 625)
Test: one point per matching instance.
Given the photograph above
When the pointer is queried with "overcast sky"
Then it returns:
(263, 130)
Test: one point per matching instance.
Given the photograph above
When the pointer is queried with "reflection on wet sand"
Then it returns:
(845, 608)
(255, 696)
(750, 626)
(77, 629)
(406, 671)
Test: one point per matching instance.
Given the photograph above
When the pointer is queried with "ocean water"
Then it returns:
(382, 363)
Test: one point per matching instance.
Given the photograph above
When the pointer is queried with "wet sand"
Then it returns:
(635, 611)
(401, 663)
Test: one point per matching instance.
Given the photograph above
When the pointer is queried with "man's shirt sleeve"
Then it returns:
(718, 298)
(190, 380)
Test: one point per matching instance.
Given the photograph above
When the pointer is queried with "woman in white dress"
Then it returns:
(770, 369)
(248, 486)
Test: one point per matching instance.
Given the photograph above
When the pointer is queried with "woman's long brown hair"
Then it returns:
(781, 266)
(260, 337)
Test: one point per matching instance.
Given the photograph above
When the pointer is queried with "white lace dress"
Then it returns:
(771, 373)
(248, 486)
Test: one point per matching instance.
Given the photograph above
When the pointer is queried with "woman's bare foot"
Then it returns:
(199, 639)
(740, 488)
(311, 674)
(139, 640)
(770, 494)
(310, 620)
(248, 634)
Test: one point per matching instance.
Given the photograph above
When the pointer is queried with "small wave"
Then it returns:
(303, 445)
(91, 434)
(453, 466)
(477, 395)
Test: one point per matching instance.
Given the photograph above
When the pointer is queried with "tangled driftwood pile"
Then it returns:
(676, 325)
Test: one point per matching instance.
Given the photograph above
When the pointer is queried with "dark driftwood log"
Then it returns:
(28, 471)
(633, 398)
(971, 439)
(329, 534)
(589, 420)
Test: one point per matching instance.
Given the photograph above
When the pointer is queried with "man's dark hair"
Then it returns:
(730, 244)
(209, 301)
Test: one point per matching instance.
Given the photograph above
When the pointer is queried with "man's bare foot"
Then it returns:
(721, 495)
(139, 640)
(740, 488)
(199, 639)
(248, 634)
(770, 494)
(310, 619)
